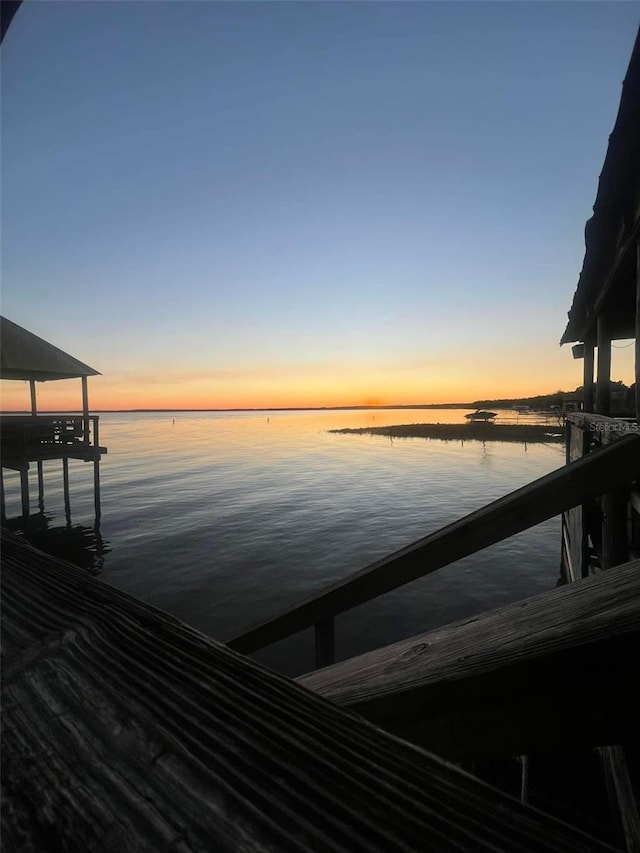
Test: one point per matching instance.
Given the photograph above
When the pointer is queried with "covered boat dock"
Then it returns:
(36, 438)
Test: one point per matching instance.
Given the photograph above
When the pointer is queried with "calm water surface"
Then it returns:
(224, 519)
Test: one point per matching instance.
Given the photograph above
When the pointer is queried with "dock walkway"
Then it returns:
(125, 729)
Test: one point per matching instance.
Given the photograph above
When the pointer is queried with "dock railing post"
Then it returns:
(3, 507)
(587, 379)
(40, 485)
(637, 371)
(24, 491)
(96, 490)
(65, 489)
(603, 379)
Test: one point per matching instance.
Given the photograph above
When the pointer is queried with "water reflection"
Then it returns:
(76, 543)
(223, 519)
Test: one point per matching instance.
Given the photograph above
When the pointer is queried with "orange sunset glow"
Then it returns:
(487, 377)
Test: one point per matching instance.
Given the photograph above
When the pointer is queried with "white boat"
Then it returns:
(481, 415)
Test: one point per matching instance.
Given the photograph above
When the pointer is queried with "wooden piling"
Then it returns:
(32, 391)
(24, 491)
(638, 331)
(96, 489)
(65, 488)
(587, 380)
(40, 485)
(85, 409)
(524, 786)
(603, 386)
(3, 506)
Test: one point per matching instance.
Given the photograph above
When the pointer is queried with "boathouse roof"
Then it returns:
(24, 355)
(608, 271)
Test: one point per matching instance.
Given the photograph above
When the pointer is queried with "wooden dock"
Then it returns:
(599, 534)
(125, 729)
(36, 439)
(506, 682)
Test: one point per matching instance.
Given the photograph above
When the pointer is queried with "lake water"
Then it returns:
(224, 519)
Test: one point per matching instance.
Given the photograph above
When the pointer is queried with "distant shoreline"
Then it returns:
(529, 433)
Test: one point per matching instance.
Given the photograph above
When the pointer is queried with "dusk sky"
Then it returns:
(304, 203)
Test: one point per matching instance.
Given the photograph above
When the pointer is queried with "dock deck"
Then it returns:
(123, 728)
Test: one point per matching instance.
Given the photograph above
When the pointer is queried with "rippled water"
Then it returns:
(226, 518)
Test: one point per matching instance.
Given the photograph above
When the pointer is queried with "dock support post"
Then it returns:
(85, 409)
(638, 332)
(96, 490)
(3, 506)
(65, 488)
(32, 389)
(587, 379)
(24, 492)
(524, 779)
(40, 486)
(325, 643)
(603, 387)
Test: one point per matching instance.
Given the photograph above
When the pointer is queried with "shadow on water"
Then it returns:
(83, 546)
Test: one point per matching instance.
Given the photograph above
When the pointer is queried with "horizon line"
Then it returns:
(252, 409)
(468, 405)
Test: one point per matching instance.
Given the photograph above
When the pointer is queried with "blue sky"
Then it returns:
(305, 203)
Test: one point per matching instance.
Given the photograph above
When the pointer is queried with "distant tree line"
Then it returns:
(623, 394)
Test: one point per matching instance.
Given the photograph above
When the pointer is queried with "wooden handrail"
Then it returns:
(561, 490)
(506, 682)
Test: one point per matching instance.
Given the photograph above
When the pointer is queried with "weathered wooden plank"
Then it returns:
(545, 498)
(569, 569)
(124, 728)
(575, 518)
(508, 681)
(621, 796)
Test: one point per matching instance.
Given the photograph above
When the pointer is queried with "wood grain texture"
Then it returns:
(125, 729)
(547, 497)
(555, 669)
(621, 795)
